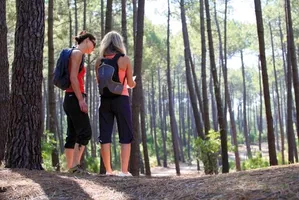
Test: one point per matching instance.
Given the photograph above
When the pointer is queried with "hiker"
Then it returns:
(114, 76)
(75, 106)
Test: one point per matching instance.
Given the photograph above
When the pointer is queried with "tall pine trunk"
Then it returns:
(108, 23)
(245, 127)
(124, 22)
(25, 125)
(277, 96)
(51, 92)
(134, 159)
(223, 135)
(187, 54)
(270, 134)
(173, 123)
(205, 115)
(292, 51)
(4, 77)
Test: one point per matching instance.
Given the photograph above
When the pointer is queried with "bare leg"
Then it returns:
(69, 155)
(78, 151)
(125, 156)
(105, 152)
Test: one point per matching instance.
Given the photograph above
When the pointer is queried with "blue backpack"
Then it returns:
(61, 75)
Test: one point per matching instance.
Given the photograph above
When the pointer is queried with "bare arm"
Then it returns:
(76, 60)
(131, 83)
(98, 62)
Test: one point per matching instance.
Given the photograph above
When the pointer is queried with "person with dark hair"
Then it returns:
(114, 75)
(75, 107)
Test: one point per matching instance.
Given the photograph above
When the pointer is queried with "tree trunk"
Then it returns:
(277, 96)
(214, 112)
(206, 118)
(245, 127)
(173, 123)
(124, 22)
(25, 126)
(161, 120)
(134, 160)
(143, 134)
(51, 92)
(261, 109)
(270, 134)
(134, 22)
(154, 121)
(4, 77)
(228, 102)
(70, 24)
(292, 51)
(76, 17)
(187, 54)
(223, 136)
(102, 19)
(108, 23)
(197, 90)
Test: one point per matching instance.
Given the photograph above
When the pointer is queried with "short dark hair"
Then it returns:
(83, 35)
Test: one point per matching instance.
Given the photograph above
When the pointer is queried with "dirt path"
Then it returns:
(271, 183)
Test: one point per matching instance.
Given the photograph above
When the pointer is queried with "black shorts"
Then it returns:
(78, 124)
(118, 107)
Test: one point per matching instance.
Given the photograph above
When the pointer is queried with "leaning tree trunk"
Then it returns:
(173, 123)
(187, 54)
(108, 23)
(223, 135)
(25, 124)
(51, 92)
(260, 31)
(4, 77)
(134, 159)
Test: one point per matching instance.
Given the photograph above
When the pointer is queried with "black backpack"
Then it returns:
(61, 75)
(109, 84)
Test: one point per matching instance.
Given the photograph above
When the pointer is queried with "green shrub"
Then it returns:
(255, 162)
(93, 164)
(47, 144)
(208, 151)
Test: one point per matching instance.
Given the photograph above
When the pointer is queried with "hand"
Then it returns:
(83, 106)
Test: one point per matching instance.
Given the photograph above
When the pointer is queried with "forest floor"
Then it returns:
(280, 182)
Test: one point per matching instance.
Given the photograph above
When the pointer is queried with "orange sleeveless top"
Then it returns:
(80, 79)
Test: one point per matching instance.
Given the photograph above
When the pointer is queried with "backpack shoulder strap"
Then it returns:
(117, 56)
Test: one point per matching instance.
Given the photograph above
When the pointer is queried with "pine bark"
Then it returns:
(25, 125)
(4, 77)
(173, 123)
(270, 133)
(51, 92)
(223, 134)
(134, 159)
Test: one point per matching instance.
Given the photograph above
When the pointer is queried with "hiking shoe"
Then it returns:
(122, 174)
(77, 170)
(110, 174)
